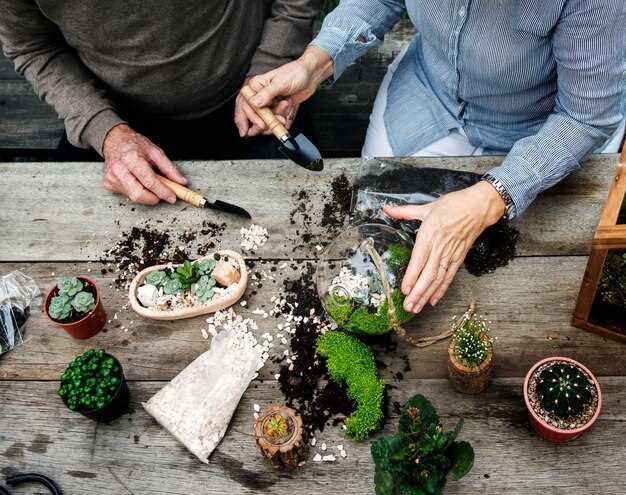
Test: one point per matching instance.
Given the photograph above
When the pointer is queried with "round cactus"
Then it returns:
(563, 390)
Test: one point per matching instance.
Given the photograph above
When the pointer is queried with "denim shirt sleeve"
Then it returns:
(355, 26)
(589, 47)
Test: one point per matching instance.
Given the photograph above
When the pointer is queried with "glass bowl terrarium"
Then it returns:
(350, 279)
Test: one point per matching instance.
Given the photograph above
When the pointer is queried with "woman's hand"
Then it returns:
(450, 225)
(283, 89)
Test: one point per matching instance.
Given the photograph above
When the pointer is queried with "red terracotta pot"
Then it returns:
(90, 324)
(547, 431)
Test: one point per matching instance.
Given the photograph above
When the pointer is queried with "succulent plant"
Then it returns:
(419, 458)
(349, 360)
(203, 288)
(90, 381)
(186, 274)
(60, 307)
(276, 427)
(83, 302)
(471, 341)
(172, 286)
(563, 389)
(205, 266)
(157, 278)
(69, 286)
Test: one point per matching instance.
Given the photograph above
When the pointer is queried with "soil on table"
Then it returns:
(493, 249)
(564, 424)
(75, 315)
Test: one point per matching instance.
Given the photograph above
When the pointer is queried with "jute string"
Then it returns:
(393, 317)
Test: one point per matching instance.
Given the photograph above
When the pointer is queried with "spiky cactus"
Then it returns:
(564, 390)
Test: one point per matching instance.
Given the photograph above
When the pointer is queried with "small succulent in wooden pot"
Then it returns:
(470, 354)
(280, 436)
(93, 385)
(75, 305)
(563, 398)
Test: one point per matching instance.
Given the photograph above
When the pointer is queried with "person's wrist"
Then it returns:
(318, 63)
(113, 134)
(494, 203)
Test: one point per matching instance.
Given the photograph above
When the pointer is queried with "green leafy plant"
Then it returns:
(203, 288)
(361, 320)
(83, 302)
(70, 296)
(276, 427)
(69, 286)
(90, 381)
(563, 389)
(471, 342)
(349, 360)
(156, 278)
(186, 274)
(612, 286)
(420, 456)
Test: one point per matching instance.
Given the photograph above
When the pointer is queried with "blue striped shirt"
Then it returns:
(540, 79)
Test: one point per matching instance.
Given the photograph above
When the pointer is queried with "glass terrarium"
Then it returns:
(350, 279)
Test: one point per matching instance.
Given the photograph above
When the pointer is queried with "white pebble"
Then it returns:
(313, 441)
(317, 458)
(277, 376)
(323, 446)
(257, 408)
(329, 458)
(205, 334)
(343, 453)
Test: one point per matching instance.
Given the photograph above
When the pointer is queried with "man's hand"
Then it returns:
(450, 225)
(283, 89)
(129, 161)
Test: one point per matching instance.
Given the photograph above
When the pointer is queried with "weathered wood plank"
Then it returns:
(530, 314)
(133, 455)
(40, 225)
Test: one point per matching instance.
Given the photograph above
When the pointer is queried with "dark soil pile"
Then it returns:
(307, 387)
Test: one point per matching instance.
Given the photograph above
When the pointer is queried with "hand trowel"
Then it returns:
(297, 148)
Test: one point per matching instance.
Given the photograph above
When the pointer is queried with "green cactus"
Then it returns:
(83, 302)
(60, 307)
(203, 288)
(70, 286)
(471, 341)
(563, 390)
(157, 278)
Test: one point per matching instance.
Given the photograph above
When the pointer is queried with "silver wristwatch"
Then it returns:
(504, 194)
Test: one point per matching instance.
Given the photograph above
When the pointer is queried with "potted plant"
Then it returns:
(420, 456)
(563, 398)
(280, 436)
(93, 385)
(76, 306)
(470, 354)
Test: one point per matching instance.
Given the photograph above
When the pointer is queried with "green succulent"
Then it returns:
(69, 286)
(156, 278)
(172, 286)
(83, 302)
(349, 360)
(205, 266)
(203, 288)
(186, 274)
(420, 456)
(60, 307)
(563, 390)
(612, 286)
(90, 381)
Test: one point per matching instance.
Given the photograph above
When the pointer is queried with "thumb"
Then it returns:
(266, 95)
(407, 212)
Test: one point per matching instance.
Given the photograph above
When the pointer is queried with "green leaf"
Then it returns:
(408, 488)
(462, 456)
(450, 436)
(156, 278)
(205, 266)
(69, 286)
(83, 302)
(417, 414)
(172, 286)
(60, 307)
(383, 481)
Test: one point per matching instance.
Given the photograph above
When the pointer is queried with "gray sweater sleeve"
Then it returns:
(287, 32)
(39, 52)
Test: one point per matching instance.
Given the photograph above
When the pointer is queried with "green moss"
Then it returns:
(362, 321)
(399, 256)
(613, 280)
(339, 308)
(349, 360)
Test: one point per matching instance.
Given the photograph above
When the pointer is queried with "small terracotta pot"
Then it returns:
(547, 431)
(288, 452)
(90, 324)
(469, 380)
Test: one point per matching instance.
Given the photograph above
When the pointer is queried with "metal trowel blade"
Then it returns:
(303, 152)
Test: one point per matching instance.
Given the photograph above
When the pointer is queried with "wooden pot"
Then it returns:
(90, 324)
(469, 380)
(287, 451)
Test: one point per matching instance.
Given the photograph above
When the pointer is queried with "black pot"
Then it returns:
(117, 406)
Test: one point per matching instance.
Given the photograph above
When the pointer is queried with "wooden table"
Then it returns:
(57, 220)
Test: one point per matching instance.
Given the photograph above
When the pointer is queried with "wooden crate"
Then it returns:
(610, 235)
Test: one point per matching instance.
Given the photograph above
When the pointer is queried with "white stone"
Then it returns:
(317, 458)
(329, 458)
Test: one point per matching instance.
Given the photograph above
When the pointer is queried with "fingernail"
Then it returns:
(171, 200)
(408, 307)
(434, 302)
(417, 308)
(406, 290)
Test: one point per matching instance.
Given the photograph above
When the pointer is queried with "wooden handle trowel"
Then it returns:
(298, 149)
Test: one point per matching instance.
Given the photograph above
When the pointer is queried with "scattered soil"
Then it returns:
(565, 424)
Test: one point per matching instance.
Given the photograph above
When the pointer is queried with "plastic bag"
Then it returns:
(197, 405)
(19, 294)
(384, 182)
